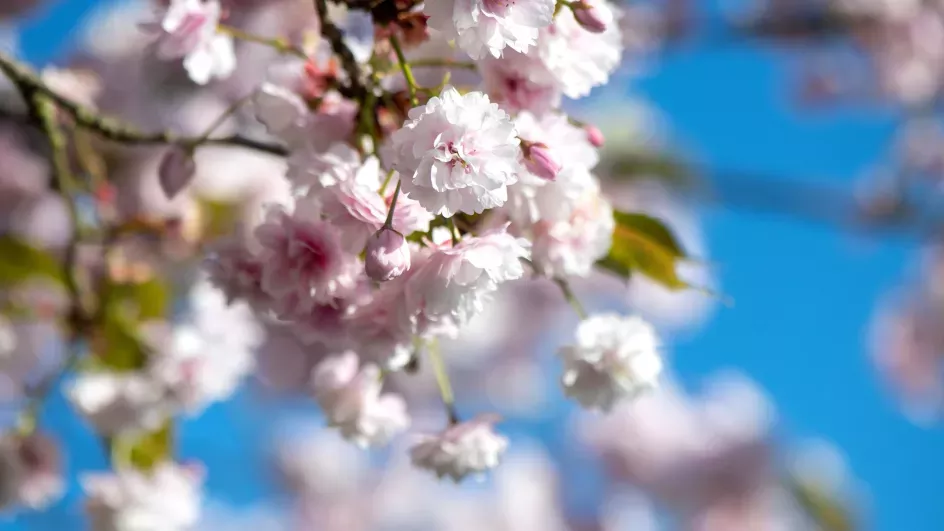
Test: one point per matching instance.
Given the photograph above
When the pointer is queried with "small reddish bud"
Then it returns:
(388, 255)
(588, 17)
(540, 161)
(594, 135)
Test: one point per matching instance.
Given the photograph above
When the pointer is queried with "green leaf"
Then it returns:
(645, 245)
(635, 166)
(125, 306)
(21, 261)
(218, 218)
(828, 512)
(153, 447)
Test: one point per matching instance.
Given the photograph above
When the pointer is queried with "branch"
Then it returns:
(335, 36)
(28, 82)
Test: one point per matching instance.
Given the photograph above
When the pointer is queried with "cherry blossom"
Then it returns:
(120, 403)
(188, 29)
(457, 153)
(166, 498)
(615, 357)
(351, 399)
(470, 447)
(30, 472)
(486, 27)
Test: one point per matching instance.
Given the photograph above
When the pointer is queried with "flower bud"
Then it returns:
(388, 255)
(594, 135)
(588, 17)
(176, 170)
(540, 161)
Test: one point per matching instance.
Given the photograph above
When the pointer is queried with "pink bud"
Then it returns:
(594, 135)
(588, 17)
(176, 170)
(388, 255)
(540, 161)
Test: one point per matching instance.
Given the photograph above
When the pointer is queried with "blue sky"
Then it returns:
(803, 292)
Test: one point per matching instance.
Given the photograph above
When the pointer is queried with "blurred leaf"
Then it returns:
(153, 447)
(118, 344)
(644, 244)
(828, 512)
(636, 165)
(808, 24)
(20, 261)
(218, 218)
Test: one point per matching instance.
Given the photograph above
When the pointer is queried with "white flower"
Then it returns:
(211, 353)
(384, 329)
(577, 59)
(470, 447)
(164, 499)
(188, 29)
(351, 400)
(310, 169)
(520, 82)
(453, 283)
(281, 110)
(615, 357)
(571, 247)
(483, 27)
(120, 403)
(457, 153)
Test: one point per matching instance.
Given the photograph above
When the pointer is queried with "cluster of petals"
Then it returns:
(188, 29)
(486, 27)
(453, 282)
(470, 447)
(350, 397)
(167, 498)
(30, 472)
(615, 357)
(457, 153)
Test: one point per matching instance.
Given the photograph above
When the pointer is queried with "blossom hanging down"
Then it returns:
(188, 29)
(350, 398)
(486, 27)
(470, 447)
(457, 153)
(615, 357)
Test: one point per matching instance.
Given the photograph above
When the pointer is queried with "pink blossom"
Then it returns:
(388, 255)
(519, 82)
(237, 271)
(188, 29)
(303, 261)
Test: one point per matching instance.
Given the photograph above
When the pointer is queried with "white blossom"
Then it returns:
(457, 153)
(188, 29)
(454, 282)
(120, 403)
(30, 474)
(470, 447)
(571, 247)
(166, 498)
(486, 27)
(615, 357)
(351, 400)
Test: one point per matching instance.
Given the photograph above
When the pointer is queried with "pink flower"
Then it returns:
(351, 399)
(176, 170)
(589, 17)
(384, 327)
(470, 447)
(518, 82)
(303, 261)
(237, 272)
(540, 161)
(188, 29)
(451, 286)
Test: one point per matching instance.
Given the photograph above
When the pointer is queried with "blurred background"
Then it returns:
(763, 173)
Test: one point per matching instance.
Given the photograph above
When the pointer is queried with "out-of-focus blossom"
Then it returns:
(188, 29)
(572, 246)
(615, 357)
(457, 153)
(120, 403)
(350, 398)
(487, 27)
(166, 498)
(317, 462)
(30, 472)
(470, 447)
(176, 170)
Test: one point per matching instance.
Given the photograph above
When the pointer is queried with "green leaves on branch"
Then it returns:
(643, 244)
(125, 306)
(20, 261)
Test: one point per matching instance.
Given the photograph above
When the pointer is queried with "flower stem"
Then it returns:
(407, 71)
(433, 62)
(571, 298)
(279, 44)
(442, 380)
(221, 119)
(383, 187)
(393, 205)
(454, 231)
